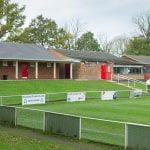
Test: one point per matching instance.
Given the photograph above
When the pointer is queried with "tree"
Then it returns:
(138, 46)
(75, 27)
(42, 31)
(11, 18)
(118, 45)
(63, 39)
(142, 22)
(88, 42)
(105, 44)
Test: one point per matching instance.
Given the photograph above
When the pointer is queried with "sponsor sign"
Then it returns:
(148, 82)
(33, 99)
(108, 95)
(75, 96)
(135, 93)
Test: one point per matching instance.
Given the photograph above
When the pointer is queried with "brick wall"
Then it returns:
(132, 76)
(9, 71)
(136, 76)
(44, 71)
(90, 70)
(146, 76)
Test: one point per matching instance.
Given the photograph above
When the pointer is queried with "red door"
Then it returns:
(67, 71)
(24, 71)
(105, 72)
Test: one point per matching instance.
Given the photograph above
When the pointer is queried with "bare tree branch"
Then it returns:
(142, 22)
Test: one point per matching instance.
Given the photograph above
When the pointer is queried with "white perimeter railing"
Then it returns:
(130, 82)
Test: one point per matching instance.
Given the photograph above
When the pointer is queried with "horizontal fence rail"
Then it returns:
(62, 96)
(124, 134)
(130, 82)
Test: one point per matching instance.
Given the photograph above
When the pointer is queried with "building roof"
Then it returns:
(94, 56)
(19, 51)
(140, 59)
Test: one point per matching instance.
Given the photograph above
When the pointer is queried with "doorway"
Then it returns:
(67, 71)
(24, 70)
(105, 72)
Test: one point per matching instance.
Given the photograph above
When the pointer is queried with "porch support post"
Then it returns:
(54, 71)
(36, 70)
(16, 69)
(71, 67)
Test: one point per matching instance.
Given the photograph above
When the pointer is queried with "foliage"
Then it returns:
(138, 46)
(88, 42)
(11, 18)
(21, 37)
(42, 31)
(63, 39)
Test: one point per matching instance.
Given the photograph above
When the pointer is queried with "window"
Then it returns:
(49, 64)
(126, 70)
(146, 69)
(117, 70)
(5, 64)
(134, 70)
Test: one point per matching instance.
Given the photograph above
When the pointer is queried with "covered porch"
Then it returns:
(17, 69)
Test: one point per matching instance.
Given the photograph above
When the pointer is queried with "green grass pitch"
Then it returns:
(123, 109)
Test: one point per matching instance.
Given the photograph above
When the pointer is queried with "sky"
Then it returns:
(102, 17)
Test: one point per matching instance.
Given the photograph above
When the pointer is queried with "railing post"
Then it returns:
(128, 82)
(126, 136)
(44, 120)
(118, 78)
(15, 116)
(146, 88)
(45, 97)
(1, 101)
(80, 126)
(134, 84)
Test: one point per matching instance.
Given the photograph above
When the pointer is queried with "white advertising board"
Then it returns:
(75, 96)
(135, 93)
(108, 95)
(33, 99)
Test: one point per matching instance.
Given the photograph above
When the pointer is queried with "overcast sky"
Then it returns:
(109, 17)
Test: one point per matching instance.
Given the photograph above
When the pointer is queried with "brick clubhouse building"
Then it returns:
(29, 61)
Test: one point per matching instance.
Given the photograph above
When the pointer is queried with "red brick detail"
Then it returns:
(47, 72)
(58, 55)
(90, 70)
(146, 76)
(9, 71)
